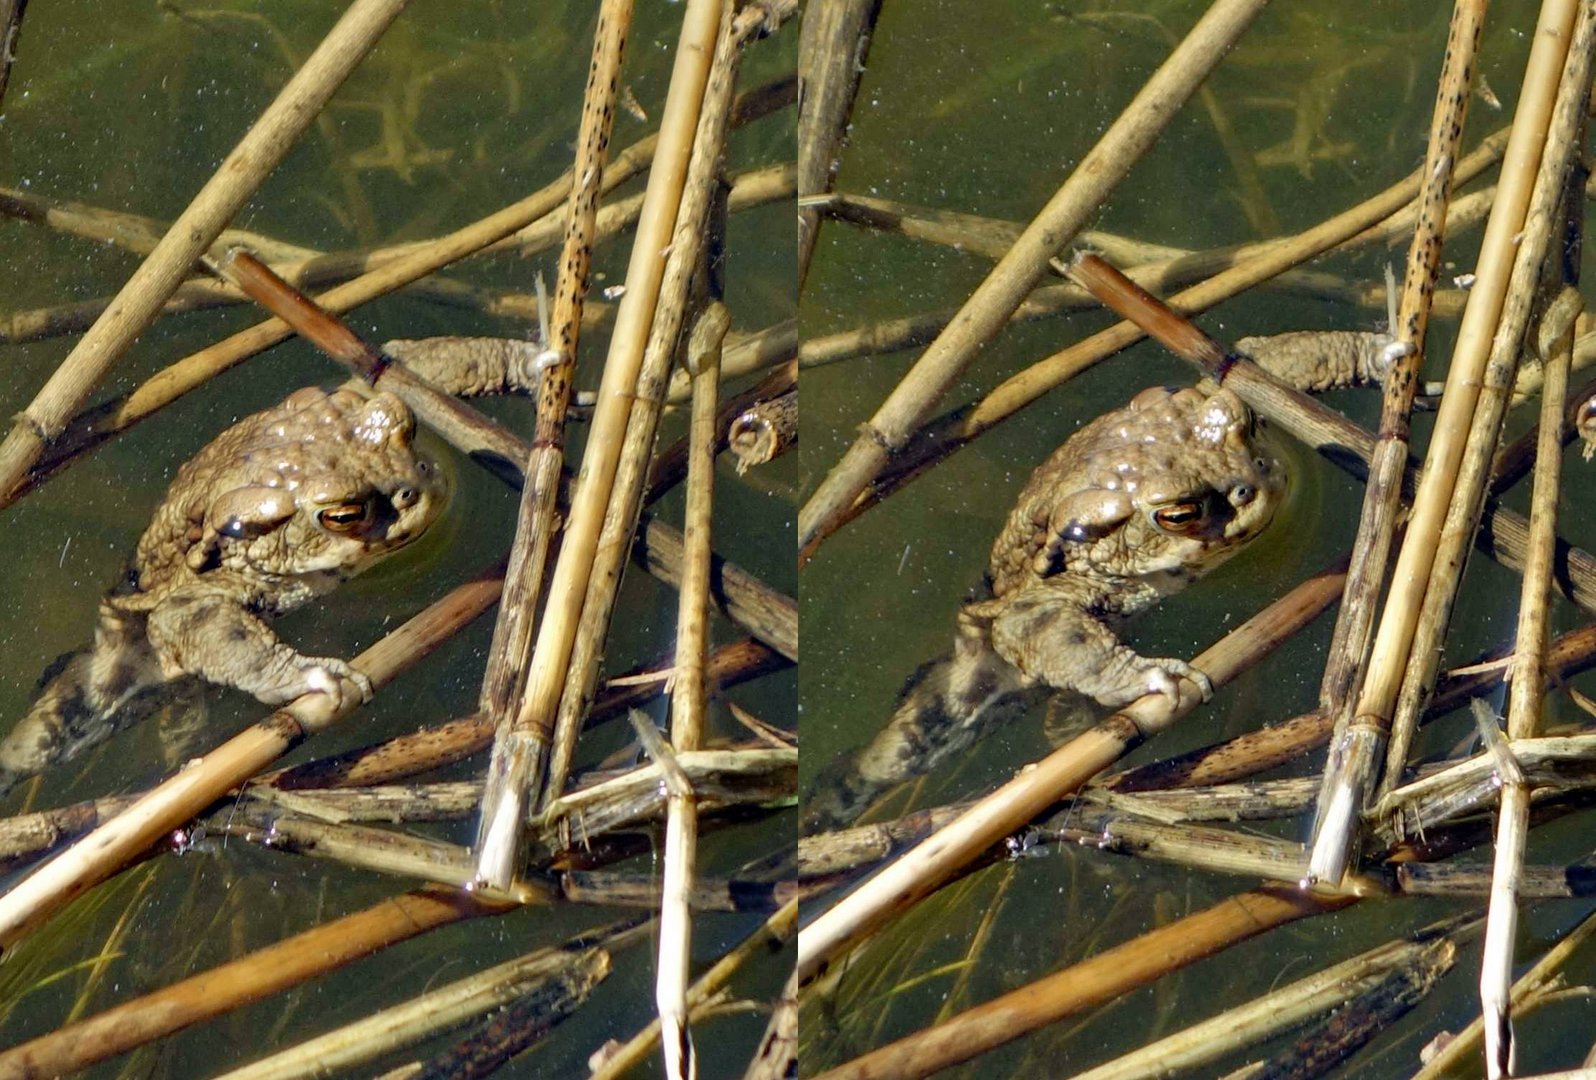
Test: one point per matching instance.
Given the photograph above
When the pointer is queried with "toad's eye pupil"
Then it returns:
(343, 517)
(1179, 517)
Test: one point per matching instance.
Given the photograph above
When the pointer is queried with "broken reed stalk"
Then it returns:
(686, 261)
(1529, 676)
(988, 309)
(564, 974)
(1552, 767)
(1546, 975)
(689, 692)
(670, 464)
(243, 170)
(1091, 982)
(109, 848)
(832, 49)
(1279, 1011)
(777, 1056)
(503, 679)
(520, 760)
(924, 868)
(250, 978)
(771, 935)
(1382, 495)
(954, 430)
(765, 431)
(1435, 538)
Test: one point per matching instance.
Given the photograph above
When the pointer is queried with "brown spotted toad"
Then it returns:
(278, 509)
(1133, 507)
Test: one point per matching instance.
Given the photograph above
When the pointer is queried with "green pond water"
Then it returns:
(984, 109)
(462, 109)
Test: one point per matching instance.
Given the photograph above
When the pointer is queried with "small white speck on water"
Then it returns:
(904, 560)
(62, 561)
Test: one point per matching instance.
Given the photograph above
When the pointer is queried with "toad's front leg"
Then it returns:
(207, 634)
(1056, 641)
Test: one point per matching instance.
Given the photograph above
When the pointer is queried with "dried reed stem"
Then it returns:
(995, 299)
(689, 695)
(1091, 982)
(519, 760)
(774, 933)
(504, 677)
(1382, 497)
(686, 262)
(1551, 766)
(670, 464)
(1280, 1010)
(777, 1056)
(10, 31)
(1546, 974)
(924, 868)
(131, 232)
(1470, 503)
(1529, 676)
(235, 180)
(834, 42)
(117, 842)
(1436, 538)
(249, 978)
(558, 977)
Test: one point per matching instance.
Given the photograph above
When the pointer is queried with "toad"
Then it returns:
(1133, 507)
(278, 509)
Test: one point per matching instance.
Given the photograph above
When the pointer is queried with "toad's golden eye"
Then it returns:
(1182, 518)
(345, 517)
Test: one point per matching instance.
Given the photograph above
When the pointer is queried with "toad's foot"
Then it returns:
(1164, 673)
(1051, 640)
(345, 685)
